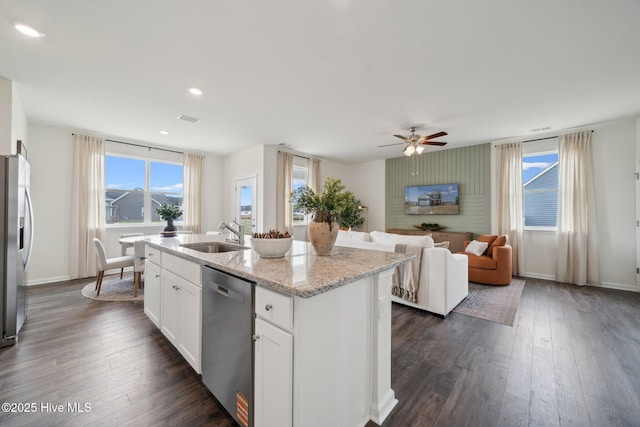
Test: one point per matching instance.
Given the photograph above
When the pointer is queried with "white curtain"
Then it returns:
(577, 260)
(284, 208)
(314, 175)
(510, 199)
(87, 205)
(192, 203)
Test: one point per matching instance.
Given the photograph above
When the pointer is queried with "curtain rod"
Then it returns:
(542, 139)
(142, 146)
(294, 155)
(548, 137)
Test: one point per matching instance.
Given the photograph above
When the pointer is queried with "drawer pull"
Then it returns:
(255, 337)
(268, 307)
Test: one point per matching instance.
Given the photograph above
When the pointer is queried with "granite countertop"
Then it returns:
(299, 273)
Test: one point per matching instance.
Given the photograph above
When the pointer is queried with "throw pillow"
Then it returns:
(476, 248)
(489, 238)
(444, 244)
(500, 241)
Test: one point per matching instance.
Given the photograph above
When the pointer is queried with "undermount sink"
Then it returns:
(214, 247)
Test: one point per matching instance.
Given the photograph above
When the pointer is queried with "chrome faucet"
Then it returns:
(239, 232)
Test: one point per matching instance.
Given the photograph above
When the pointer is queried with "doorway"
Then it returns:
(246, 204)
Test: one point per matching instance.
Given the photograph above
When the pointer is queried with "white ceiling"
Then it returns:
(332, 78)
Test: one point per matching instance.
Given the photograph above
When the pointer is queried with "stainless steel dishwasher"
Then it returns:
(227, 345)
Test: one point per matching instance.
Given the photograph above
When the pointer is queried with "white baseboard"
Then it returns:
(619, 286)
(382, 409)
(540, 276)
(47, 280)
(607, 285)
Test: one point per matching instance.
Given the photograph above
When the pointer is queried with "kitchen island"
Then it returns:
(322, 328)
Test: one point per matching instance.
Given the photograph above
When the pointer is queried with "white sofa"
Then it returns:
(443, 275)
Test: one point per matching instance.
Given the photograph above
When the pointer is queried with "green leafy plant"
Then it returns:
(168, 212)
(328, 204)
(350, 217)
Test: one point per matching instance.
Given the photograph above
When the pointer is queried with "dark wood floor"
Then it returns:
(571, 358)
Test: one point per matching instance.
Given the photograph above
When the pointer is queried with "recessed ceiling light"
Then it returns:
(164, 132)
(27, 30)
(195, 91)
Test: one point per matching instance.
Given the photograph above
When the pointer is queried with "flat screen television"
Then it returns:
(437, 199)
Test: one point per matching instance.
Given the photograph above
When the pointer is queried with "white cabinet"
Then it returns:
(181, 316)
(273, 386)
(173, 301)
(273, 395)
(152, 292)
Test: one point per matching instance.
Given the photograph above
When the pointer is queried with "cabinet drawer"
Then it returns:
(180, 266)
(274, 307)
(152, 254)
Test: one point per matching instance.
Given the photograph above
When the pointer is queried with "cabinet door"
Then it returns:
(273, 395)
(170, 320)
(152, 292)
(190, 338)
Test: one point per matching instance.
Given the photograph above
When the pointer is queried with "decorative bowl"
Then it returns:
(271, 248)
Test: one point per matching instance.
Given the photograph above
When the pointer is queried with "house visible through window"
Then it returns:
(540, 182)
(136, 187)
(300, 178)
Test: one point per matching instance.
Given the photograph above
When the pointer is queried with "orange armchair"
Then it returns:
(493, 267)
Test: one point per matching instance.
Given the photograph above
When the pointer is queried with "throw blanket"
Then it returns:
(406, 278)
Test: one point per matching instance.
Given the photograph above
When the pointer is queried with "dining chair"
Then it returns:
(105, 264)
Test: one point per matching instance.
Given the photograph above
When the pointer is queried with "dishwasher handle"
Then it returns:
(223, 292)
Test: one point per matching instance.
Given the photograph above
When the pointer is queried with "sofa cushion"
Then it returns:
(476, 248)
(488, 238)
(382, 237)
(355, 236)
(482, 262)
(499, 241)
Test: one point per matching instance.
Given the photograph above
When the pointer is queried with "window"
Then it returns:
(136, 187)
(540, 182)
(300, 178)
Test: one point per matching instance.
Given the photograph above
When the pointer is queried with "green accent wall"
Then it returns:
(469, 167)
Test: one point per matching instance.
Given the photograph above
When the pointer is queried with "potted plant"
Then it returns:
(350, 217)
(169, 213)
(326, 206)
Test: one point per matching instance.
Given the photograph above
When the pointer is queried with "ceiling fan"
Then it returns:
(414, 143)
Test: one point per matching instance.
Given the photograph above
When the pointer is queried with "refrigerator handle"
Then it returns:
(28, 199)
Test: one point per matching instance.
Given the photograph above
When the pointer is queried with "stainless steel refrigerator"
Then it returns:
(16, 239)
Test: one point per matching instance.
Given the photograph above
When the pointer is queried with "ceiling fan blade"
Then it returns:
(433, 143)
(433, 136)
(404, 138)
(389, 145)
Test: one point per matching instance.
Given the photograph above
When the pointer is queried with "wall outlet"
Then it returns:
(381, 307)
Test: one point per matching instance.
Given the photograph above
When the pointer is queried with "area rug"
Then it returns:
(495, 303)
(114, 289)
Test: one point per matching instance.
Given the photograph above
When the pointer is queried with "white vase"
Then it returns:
(323, 232)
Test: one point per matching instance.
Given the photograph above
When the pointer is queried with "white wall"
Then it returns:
(367, 181)
(18, 121)
(51, 159)
(6, 91)
(614, 152)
